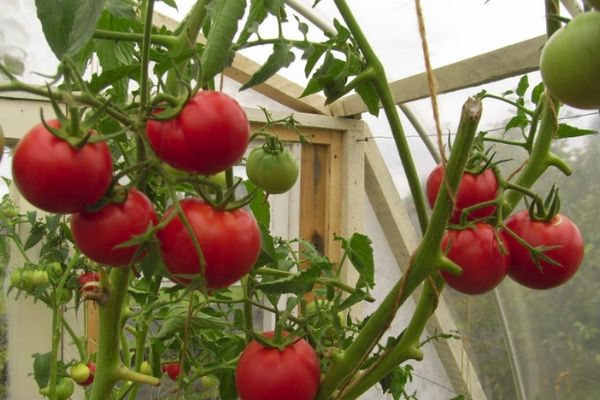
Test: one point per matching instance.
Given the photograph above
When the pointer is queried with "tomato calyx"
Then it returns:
(167, 107)
(548, 210)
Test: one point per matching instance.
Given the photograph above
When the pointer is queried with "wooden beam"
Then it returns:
(276, 88)
(403, 241)
(516, 59)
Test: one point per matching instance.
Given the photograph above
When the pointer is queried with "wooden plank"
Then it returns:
(277, 87)
(516, 59)
(403, 241)
(92, 326)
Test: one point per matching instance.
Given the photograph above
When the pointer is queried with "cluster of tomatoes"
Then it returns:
(208, 136)
(538, 254)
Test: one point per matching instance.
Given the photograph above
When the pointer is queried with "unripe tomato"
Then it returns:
(83, 374)
(64, 389)
(209, 381)
(40, 279)
(480, 256)
(273, 171)
(570, 62)
(146, 368)
(230, 242)
(64, 296)
(473, 189)
(560, 232)
(265, 373)
(172, 369)
(99, 233)
(209, 135)
(55, 177)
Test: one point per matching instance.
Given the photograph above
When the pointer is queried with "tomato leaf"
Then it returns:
(282, 57)
(369, 96)
(41, 368)
(121, 8)
(259, 205)
(567, 131)
(257, 14)
(312, 54)
(299, 283)
(360, 254)
(537, 92)
(267, 251)
(522, 86)
(227, 389)
(518, 121)
(36, 235)
(110, 76)
(227, 14)
(274, 6)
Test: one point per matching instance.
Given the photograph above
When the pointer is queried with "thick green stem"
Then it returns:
(425, 261)
(541, 156)
(248, 317)
(163, 40)
(108, 362)
(552, 9)
(421, 132)
(76, 339)
(383, 89)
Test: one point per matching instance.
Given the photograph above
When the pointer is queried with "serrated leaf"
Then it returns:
(522, 86)
(369, 96)
(312, 55)
(274, 6)
(282, 57)
(227, 14)
(86, 18)
(537, 92)
(567, 131)
(342, 32)
(36, 235)
(299, 283)
(518, 121)
(121, 8)
(257, 14)
(267, 250)
(41, 368)
(360, 254)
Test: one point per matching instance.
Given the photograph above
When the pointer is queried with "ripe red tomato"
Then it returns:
(209, 135)
(55, 177)
(559, 231)
(570, 62)
(172, 369)
(479, 255)
(230, 242)
(265, 373)
(473, 189)
(97, 233)
(273, 171)
(86, 278)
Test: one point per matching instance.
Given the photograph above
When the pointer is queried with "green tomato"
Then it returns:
(64, 297)
(80, 373)
(146, 368)
(40, 279)
(64, 389)
(209, 381)
(219, 179)
(26, 280)
(273, 171)
(570, 62)
(15, 279)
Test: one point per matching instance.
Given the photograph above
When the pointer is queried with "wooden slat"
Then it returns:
(276, 88)
(516, 59)
(403, 240)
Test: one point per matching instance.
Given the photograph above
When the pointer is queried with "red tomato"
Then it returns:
(230, 242)
(209, 135)
(86, 278)
(98, 233)
(55, 177)
(561, 232)
(83, 374)
(265, 373)
(479, 255)
(473, 189)
(172, 369)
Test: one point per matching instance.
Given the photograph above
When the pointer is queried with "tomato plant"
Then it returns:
(172, 369)
(99, 233)
(209, 135)
(268, 373)
(230, 243)
(56, 177)
(561, 249)
(570, 62)
(481, 256)
(273, 170)
(473, 189)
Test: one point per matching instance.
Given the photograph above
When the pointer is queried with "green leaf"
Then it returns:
(329, 77)
(267, 251)
(537, 92)
(257, 14)
(227, 388)
(110, 76)
(312, 54)
(86, 18)
(175, 323)
(259, 205)
(171, 3)
(282, 57)
(518, 121)
(121, 8)
(369, 96)
(360, 254)
(41, 368)
(227, 14)
(274, 6)
(567, 131)
(150, 263)
(36, 235)
(299, 283)
(522, 86)
(56, 17)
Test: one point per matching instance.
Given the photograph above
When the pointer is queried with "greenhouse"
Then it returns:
(299, 199)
